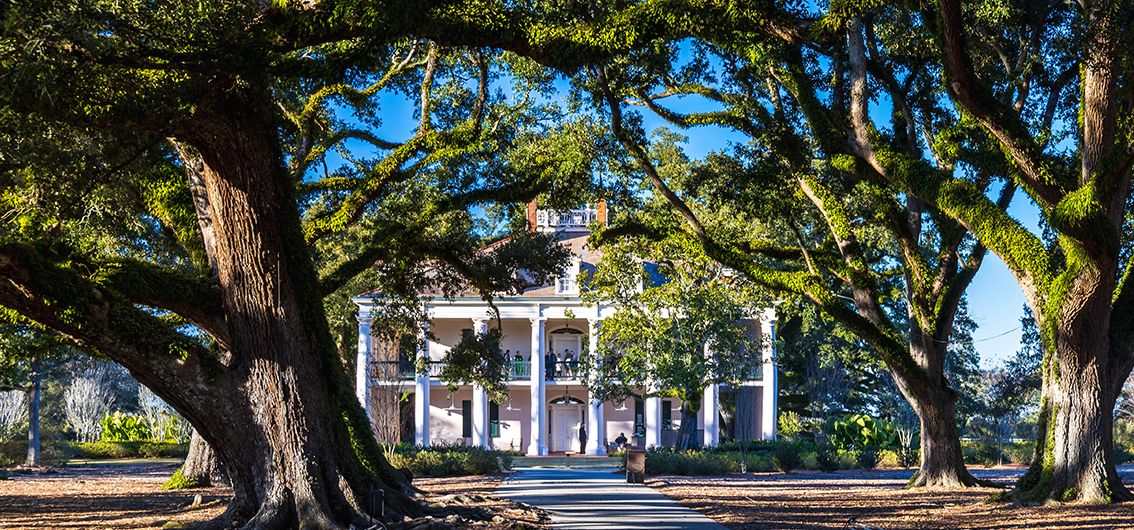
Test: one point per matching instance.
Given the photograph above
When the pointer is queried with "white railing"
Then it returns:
(577, 218)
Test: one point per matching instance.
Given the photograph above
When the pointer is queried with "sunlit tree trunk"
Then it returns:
(33, 456)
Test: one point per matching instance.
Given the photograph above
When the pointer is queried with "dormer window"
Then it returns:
(565, 283)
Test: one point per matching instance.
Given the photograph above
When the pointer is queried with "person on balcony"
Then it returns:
(572, 362)
(549, 366)
(518, 365)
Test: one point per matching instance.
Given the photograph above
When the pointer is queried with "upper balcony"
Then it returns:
(577, 219)
(573, 220)
(517, 371)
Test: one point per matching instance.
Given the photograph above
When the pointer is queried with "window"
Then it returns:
(667, 415)
(493, 420)
(466, 418)
(639, 417)
(565, 283)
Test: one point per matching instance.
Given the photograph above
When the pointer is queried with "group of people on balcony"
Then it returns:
(564, 365)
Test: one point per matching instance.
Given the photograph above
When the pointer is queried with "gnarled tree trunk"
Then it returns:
(201, 468)
(295, 443)
(1074, 456)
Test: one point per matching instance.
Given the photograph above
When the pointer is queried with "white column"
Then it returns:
(421, 393)
(769, 413)
(710, 409)
(362, 364)
(480, 432)
(653, 421)
(596, 423)
(538, 444)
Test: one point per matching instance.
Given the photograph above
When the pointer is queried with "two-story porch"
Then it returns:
(546, 340)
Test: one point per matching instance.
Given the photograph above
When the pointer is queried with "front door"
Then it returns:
(565, 423)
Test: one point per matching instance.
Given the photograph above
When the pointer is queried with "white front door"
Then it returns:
(565, 423)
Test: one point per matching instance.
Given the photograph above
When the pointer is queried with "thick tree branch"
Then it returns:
(63, 301)
(1037, 176)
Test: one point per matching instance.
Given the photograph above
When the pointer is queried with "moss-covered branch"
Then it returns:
(61, 298)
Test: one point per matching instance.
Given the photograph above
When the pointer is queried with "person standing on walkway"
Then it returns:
(582, 439)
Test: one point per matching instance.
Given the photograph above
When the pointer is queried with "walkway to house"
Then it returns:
(599, 498)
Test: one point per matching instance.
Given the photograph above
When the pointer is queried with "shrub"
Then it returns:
(52, 452)
(452, 461)
(867, 458)
(785, 457)
(791, 424)
(666, 461)
(858, 431)
(827, 459)
(104, 449)
(119, 427)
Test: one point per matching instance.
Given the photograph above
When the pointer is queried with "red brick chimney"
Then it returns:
(600, 212)
(532, 215)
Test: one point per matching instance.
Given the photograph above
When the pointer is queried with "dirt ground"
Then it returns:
(129, 495)
(869, 500)
(103, 496)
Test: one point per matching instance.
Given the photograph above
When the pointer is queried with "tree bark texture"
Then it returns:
(202, 468)
(942, 462)
(292, 438)
(33, 456)
(1074, 457)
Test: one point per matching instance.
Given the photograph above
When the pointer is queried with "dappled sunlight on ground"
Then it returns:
(103, 496)
(877, 499)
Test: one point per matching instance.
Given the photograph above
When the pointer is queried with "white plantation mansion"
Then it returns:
(547, 404)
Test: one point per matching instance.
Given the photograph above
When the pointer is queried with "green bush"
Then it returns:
(827, 459)
(791, 424)
(786, 458)
(666, 461)
(858, 431)
(867, 458)
(119, 427)
(104, 449)
(447, 461)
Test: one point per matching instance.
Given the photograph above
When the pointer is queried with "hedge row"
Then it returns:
(13, 452)
(452, 461)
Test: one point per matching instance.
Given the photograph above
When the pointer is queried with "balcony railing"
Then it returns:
(518, 370)
(577, 218)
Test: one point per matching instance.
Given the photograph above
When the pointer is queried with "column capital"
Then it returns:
(365, 320)
(537, 320)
